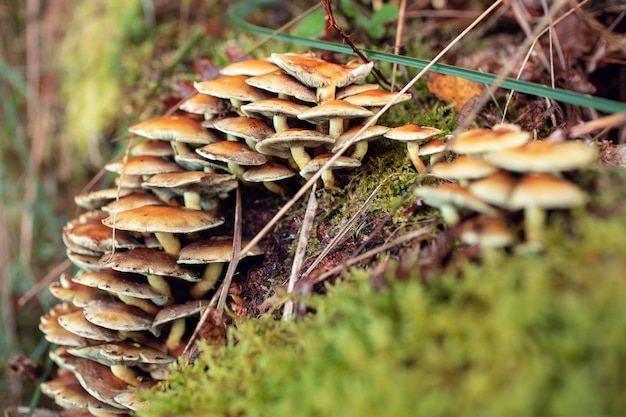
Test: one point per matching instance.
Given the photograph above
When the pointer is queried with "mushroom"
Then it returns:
(486, 232)
(176, 314)
(132, 201)
(269, 173)
(115, 315)
(233, 88)
(494, 189)
(79, 295)
(448, 198)
(335, 112)
(76, 322)
(413, 135)
(293, 142)
(175, 129)
(376, 99)
(361, 142)
(163, 221)
(250, 67)
(481, 141)
(278, 109)
(206, 105)
(434, 149)
(121, 353)
(99, 381)
(320, 161)
(544, 156)
(213, 252)
(352, 89)
(235, 154)
(535, 193)
(284, 85)
(325, 76)
(142, 165)
(192, 185)
(93, 200)
(54, 332)
(462, 169)
(153, 148)
(250, 129)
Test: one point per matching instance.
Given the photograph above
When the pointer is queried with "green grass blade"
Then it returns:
(238, 12)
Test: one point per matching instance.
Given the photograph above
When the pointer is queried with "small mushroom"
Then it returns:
(278, 109)
(462, 169)
(213, 252)
(481, 141)
(163, 221)
(361, 142)
(325, 76)
(269, 173)
(335, 112)
(413, 135)
(448, 198)
(293, 142)
(206, 105)
(235, 154)
(284, 85)
(250, 129)
(233, 88)
(328, 177)
(535, 193)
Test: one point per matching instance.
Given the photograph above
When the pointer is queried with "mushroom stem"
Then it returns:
(145, 305)
(273, 187)
(171, 245)
(126, 374)
(360, 149)
(335, 127)
(534, 219)
(325, 93)
(192, 200)
(449, 214)
(211, 274)
(413, 149)
(179, 147)
(300, 156)
(160, 284)
(235, 169)
(280, 122)
(328, 178)
(177, 330)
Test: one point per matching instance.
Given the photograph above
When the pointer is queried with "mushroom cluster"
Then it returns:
(492, 174)
(148, 251)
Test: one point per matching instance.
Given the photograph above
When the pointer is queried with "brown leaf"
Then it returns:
(453, 89)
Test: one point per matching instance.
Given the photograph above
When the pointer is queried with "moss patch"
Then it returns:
(532, 335)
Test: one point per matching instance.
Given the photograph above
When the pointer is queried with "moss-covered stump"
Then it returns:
(524, 335)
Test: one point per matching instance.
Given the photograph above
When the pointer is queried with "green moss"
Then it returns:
(530, 335)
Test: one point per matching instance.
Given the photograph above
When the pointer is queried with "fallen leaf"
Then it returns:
(453, 89)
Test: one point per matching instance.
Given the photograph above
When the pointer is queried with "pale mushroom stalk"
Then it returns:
(145, 305)
(171, 245)
(300, 156)
(126, 374)
(174, 337)
(534, 220)
(160, 284)
(413, 151)
(449, 214)
(192, 200)
(210, 277)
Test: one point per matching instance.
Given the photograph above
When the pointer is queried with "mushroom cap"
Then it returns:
(333, 109)
(250, 67)
(97, 238)
(542, 156)
(453, 195)
(203, 104)
(116, 315)
(95, 199)
(231, 87)
(205, 183)
(485, 231)
(69, 394)
(319, 161)
(54, 332)
(115, 282)
(371, 133)
(316, 72)
(352, 89)
(213, 249)
(245, 127)
(174, 128)
(494, 189)
(76, 322)
(121, 353)
(165, 219)
(463, 167)
(545, 191)
(153, 148)
(79, 295)
(231, 151)
(280, 82)
(434, 146)
(132, 201)
(99, 381)
(411, 132)
(179, 311)
(489, 140)
(270, 171)
(191, 161)
(148, 262)
(376, 98)
(279, 143)
(142, 165)
(86, 262)
(273, 107)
